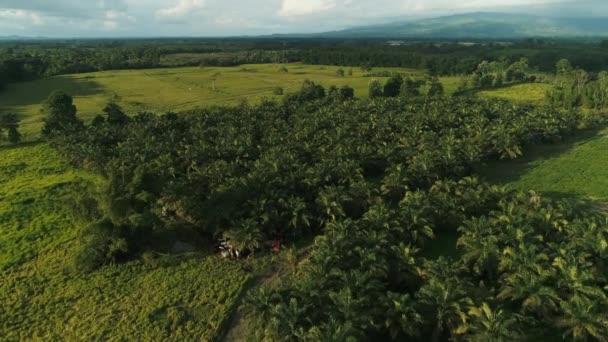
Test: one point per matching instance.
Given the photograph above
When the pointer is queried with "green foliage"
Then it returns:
(115, 115)
(575, 88)
(169, 298)
(393, 86)
(536, 258)
(411, 88)
(435, 88)
(101, 243)
(170, 171)
(343, 93)
(375, 89)
(9, 122)
(310, 91)
(60, 115)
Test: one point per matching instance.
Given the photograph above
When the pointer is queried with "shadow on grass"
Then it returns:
(510, 171)
(35, 92)
(578, 203)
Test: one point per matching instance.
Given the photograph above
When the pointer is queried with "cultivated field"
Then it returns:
(179, 297)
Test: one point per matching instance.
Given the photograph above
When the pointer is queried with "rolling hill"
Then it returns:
(482, 25)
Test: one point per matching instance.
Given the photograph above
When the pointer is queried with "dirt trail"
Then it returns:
(237, 326)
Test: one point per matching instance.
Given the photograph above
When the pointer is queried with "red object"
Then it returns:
(276, 246)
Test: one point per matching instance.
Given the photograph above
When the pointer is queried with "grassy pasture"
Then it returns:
(169, 297)
(175, 89)
(576, 167)
(528, 92)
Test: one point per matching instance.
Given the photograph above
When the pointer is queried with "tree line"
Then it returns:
(20, 64)
(29, 60)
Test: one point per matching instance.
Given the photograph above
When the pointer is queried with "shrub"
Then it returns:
(100, 244)
(375, 89)
(392, 87)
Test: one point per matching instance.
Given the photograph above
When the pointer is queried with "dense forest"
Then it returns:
(378, 182)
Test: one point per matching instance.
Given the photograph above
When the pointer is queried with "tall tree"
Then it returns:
(116, 116)
(375, 89)
(436, 88)
(393, 86)
(60, 115)
(10, 123)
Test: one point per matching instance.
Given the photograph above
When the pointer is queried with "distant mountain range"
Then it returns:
(482, 25)
(19, 38)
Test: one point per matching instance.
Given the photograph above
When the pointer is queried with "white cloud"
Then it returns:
(298, 8)
(21, 15)
(67, 18)
(19, 19)
(181, 8)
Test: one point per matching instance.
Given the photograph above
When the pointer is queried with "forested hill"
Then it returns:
(483, 25)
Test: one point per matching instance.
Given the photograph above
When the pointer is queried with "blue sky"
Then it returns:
(136, 18)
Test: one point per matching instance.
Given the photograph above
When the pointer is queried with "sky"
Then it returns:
(206, 18)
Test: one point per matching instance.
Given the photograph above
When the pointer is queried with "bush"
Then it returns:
(347, 93)
(100, 244)
(310, 91)
(375, 89)
(487, 81)
(436, 88)
(393, 86)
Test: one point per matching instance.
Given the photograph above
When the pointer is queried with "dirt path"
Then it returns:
(237, 325)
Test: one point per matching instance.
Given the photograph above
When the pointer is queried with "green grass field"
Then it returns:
(173, 297)
(528, 92)
(574, 168)
(176, 89)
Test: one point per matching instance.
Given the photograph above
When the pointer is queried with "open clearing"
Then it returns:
(527, 92)
(178, 297)
(577, 167)
(176, 89)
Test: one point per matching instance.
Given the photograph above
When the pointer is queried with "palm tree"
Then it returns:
(479, 240)
(483, 324)
(583, 319)
(333, 331)
(527, 279)
(402, 319)
(247, 237)
(576, 278)
(446, 300)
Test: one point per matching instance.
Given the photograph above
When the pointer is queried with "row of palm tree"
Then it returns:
(527, 268)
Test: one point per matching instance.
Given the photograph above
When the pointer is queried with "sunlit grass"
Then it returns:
(175, 89)
(577, 167)
(528, 92)
(167, 297)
